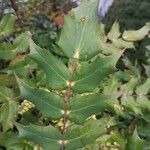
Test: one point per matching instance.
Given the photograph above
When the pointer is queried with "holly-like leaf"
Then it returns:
(144, 88)
(82, 107)
(8, 108)
(114, 32)
(89, 76)
(134, 142)
(50, 104)
(10, 140)
(47, 137)
(56, 71)
(5, 51)
(120, 43)
(8, 112)
(7, 25)
(79, 136)
(130, 103)
(144, 102)
(5, 94)
(6, 80)
(108, 48)
(21, 43)
(136, 35)
(9, 51)
(80, 34)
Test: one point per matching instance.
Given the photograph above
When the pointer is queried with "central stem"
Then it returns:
(67, 98)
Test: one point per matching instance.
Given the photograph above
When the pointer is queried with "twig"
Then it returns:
(17, 12)
(67, 98)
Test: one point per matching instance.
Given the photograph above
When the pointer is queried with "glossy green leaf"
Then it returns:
(7, 55)
(130, 103)
(22, 67)
(144, 88)
(11, 141)
(5, 94)
(89, 76)
(108, 48)
(135, 35)
(5, 51)
(79, 136)
(7, 25)
(80, 34)
(134, 142)
(21, 43)
(82, 107)
(6, 80)
(119, 43)
(56, 71)
(128, 88)
(8, 112)
(114, 32)
(144, 102)
(144, 130)
(47, 137)
(50, 104)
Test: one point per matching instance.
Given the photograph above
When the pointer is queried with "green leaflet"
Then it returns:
(80, 34)
(50, 138)
(8, 108)
(134, 142)
(50, 104)
(108, 48)
(113, 42)
(88, 77)
(114, 35)
(56, 71)
(136, 35)
(21, 43)
(144, 88)
(47, 137)
(6, 80)
(79, 136)
(8, 51)
(8, 113)
(114, 32)
(82, 107)
(10, 140)
(5, 51)
(22, 67)
(5, 94)
(144, 102)
(130, 103)
(7, 25)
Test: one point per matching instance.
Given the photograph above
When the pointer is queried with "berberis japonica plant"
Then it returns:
(72, 100)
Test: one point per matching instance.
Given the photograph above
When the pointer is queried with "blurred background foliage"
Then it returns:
(131, 14)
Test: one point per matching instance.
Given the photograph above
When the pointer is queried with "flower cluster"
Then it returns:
(25, 106)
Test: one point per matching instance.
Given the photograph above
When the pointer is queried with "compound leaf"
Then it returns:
(51, 138)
